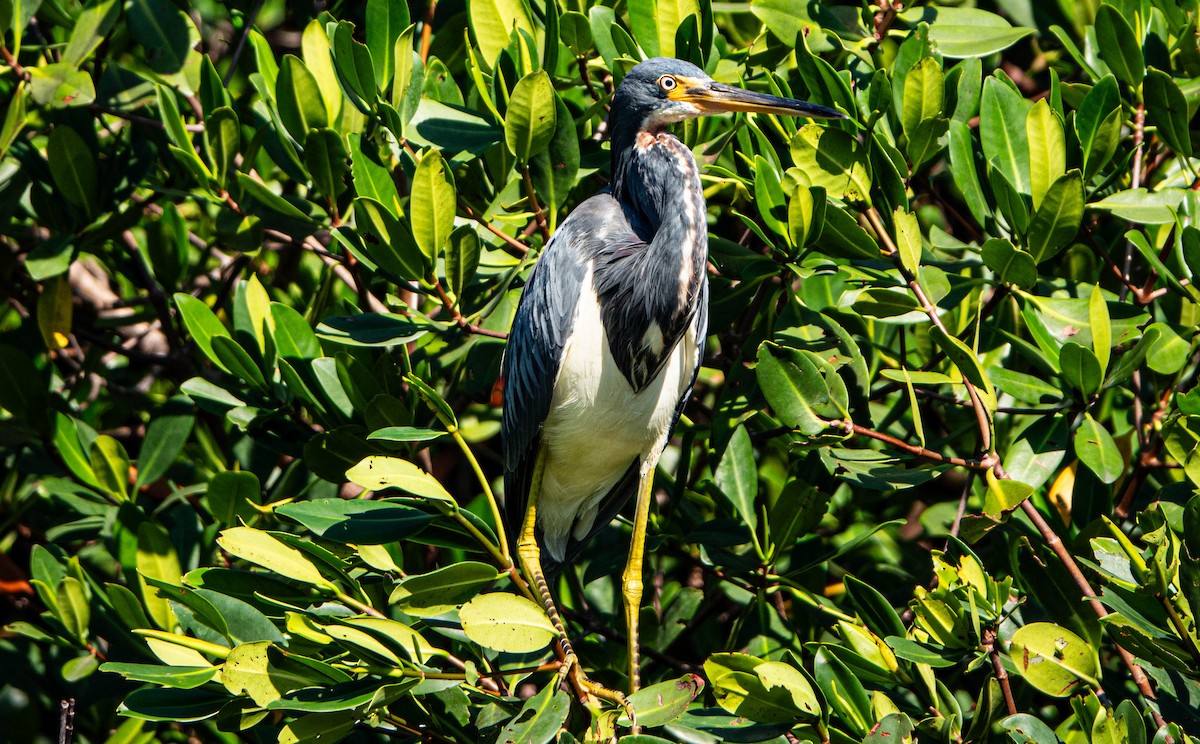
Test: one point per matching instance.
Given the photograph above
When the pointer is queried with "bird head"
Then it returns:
(662, 91)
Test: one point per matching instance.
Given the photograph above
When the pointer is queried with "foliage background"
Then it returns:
(949, 389)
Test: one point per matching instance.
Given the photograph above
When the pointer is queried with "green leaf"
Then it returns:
(555, 170)
(1003, 495)
(259, 671)
(1058, 218)
(806, 214)
(1002, 115)
(185, 678)
(926, 141)
(165, 438)
(1118, 45)
(539, 719)
(173, 705)
(326, 158)
(237, 361)
(261, 193)
(110, 464)
(164, 31)
(73, 608)
(1143, 206)
(223, 138)
(462, 259)
(962, 167)
(432, 206)
(91, 26)
(233, 495)
(14, 118)
(970, 32)
(843, 237)
(1047, 150)
(1011, 264)
(1011, 204)
(737, 476)
(768, 196)
(1169, 353)
(665, 702)
(843, 691)
(73, 167)
(376, 473)
(201, 323)
(357, 521)
(395, 249)
(1095, 447)
(301, 105)
(156, 559)
(885, 303)
(965, 359)
(575, 32)
(355, 68)
(908, 238)
(1053, 659)
(924, 94)
(793, 387)
(1098, 124)
(61, 85)
(1080, 367)
(763, 691)
(262, 549)
(1101, 328)
(373, 329)
(294, 338)
(531, 119)
(1168, 110)
(834, 160)
(506, 622)
(491, 22)
(439, 591)
(385, 21)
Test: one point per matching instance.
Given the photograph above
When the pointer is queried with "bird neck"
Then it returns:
(658, 185)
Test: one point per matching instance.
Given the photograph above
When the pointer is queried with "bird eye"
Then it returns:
(667, 83)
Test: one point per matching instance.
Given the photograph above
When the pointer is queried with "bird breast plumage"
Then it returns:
(595, 411)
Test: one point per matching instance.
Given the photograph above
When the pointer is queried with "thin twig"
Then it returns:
(538, 215)
(520, 248)
(989, 643)
(981, 414)
(247, 26)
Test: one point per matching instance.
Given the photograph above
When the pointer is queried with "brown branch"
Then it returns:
(538, 215)
(458, 317)
(586, 77)
(989, 643)
(12, 62)
(981, 415)
(1068, 562)
(852, 428)
(427, 30)
(520, 248)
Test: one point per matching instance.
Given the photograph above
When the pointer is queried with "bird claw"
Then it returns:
(591, 693)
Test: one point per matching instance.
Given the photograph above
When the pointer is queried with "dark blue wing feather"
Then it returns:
(543, 324)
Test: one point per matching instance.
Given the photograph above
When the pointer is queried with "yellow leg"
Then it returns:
(530, 556)
(632, 579)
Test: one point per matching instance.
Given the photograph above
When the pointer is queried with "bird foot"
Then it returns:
(591, 693)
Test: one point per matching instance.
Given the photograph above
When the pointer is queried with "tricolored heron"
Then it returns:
(610, 330)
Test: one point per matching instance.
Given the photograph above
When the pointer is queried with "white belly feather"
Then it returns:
(598, 425)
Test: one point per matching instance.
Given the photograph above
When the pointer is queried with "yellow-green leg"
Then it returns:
(631, 586)
(530, 556)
